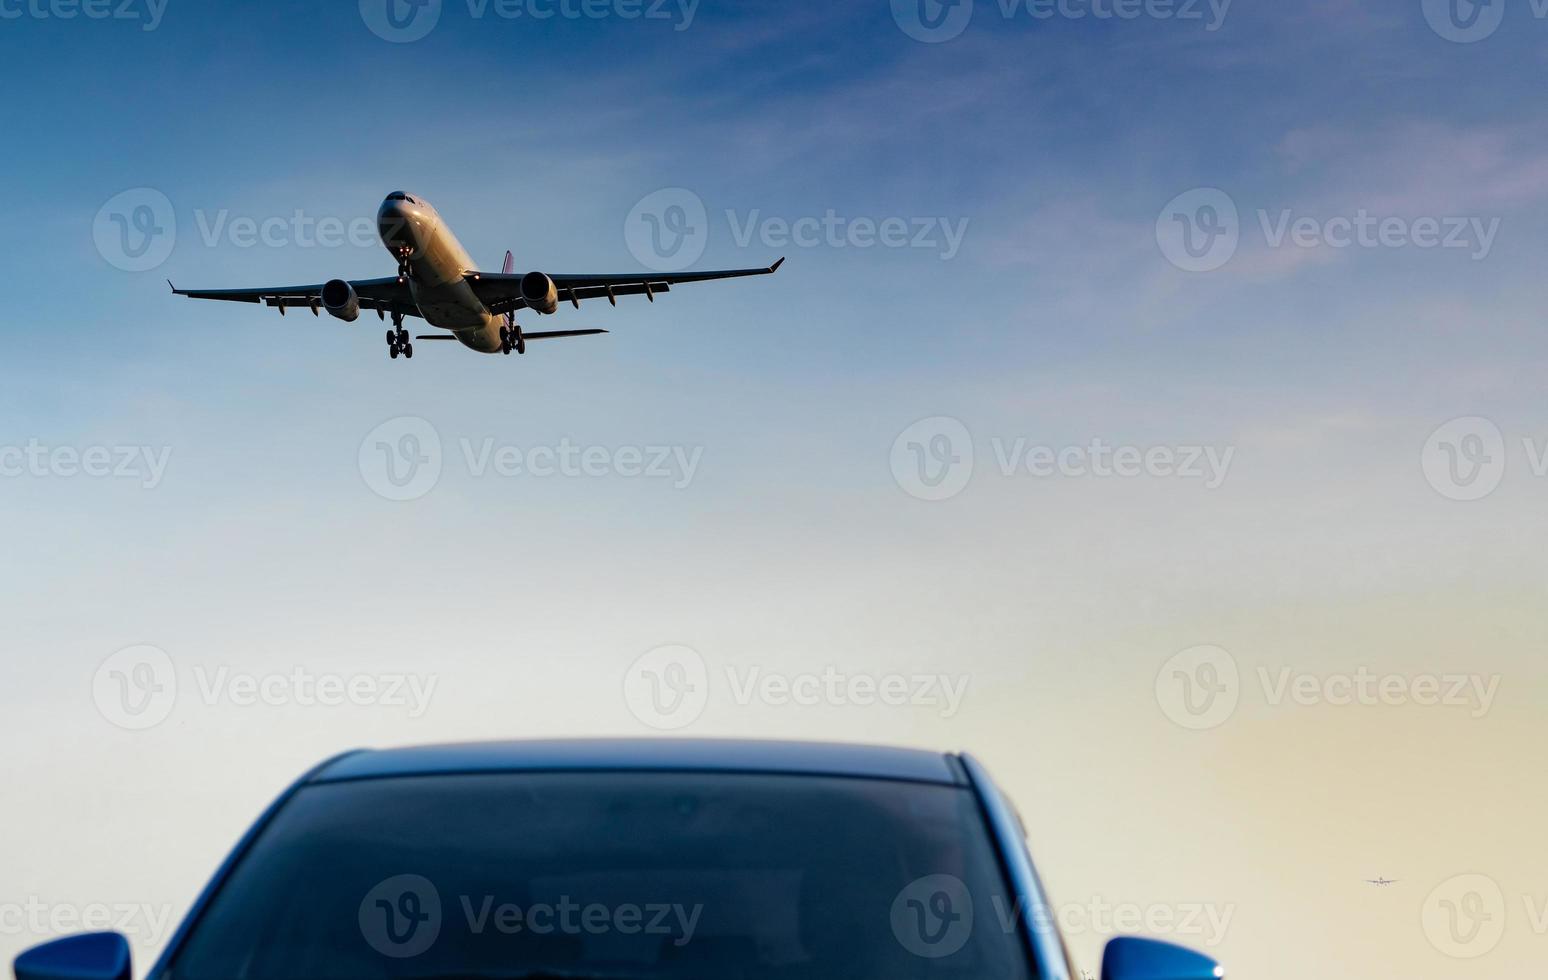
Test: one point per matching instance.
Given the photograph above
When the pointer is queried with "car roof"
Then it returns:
(648, 755)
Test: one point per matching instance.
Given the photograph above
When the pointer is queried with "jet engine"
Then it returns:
(339, 299)
(541, 294)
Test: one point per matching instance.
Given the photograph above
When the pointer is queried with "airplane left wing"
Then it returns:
(384, 295)
(502, 293)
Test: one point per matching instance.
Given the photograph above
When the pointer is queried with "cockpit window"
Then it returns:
(400, 196)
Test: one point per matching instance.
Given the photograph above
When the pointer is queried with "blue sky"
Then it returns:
(1058, 146)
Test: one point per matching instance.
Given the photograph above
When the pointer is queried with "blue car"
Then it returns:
(626, 860)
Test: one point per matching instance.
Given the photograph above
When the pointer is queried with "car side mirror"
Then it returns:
(1128, 958)
(91, 956)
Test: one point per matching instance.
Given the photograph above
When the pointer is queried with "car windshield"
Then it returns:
(687, 876)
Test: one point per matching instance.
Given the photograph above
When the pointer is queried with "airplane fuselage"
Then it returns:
(438, 271)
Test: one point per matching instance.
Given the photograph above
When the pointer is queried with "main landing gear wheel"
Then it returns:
(399, 341)
(512, 340)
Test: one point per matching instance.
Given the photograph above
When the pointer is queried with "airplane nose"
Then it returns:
(395, 221)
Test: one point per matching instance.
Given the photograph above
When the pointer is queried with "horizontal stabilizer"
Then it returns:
(551, 334)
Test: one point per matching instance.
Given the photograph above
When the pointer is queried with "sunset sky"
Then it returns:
(1285, 258)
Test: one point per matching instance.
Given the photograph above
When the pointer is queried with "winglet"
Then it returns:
(775, 267)
(174, 288)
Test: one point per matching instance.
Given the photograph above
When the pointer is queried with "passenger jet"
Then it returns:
(438, 282)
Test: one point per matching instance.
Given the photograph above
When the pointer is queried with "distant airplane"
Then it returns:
(1380, 882)
(437, 281)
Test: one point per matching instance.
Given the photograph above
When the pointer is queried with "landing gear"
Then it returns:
(403, 264)
(512, 339)
(398, 340)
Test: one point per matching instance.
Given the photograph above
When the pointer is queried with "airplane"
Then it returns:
(438, 282)
(1380, 882)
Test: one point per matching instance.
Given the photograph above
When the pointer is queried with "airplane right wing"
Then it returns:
(502, 293)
